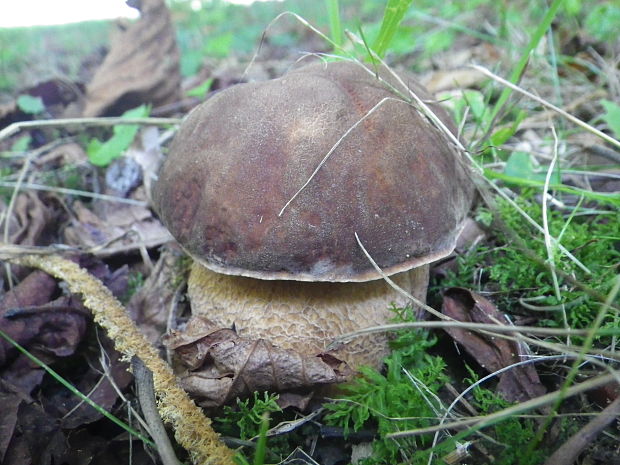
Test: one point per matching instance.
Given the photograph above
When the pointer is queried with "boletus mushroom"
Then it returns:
(355, 157)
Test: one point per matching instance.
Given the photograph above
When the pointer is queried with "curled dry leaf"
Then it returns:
(49, 328)
(461, 78)
(28, 219)
(221, 365)
(141, 67)
(492, 353)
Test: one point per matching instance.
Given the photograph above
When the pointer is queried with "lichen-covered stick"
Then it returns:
(191, 427)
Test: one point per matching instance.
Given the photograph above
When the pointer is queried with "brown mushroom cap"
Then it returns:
(236, 161)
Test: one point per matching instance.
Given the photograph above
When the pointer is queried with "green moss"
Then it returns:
(404, 398)
(512, 264)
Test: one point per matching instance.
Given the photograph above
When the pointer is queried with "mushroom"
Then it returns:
(267, 185)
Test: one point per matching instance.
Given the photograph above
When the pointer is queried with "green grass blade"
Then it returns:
(602, 197)
(518, 70)
(394, 12)
(335, 24)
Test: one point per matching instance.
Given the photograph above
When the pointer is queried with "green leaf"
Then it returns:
(573, 7)
(612, 117)
(29, 104)
(219, 46)
(200, 90)
(602, 21)
(500, 136)
(438, 41)
(602, 197)
(191, 61)
(335, 24)
(519, 165)
(21, 144)
(102, 153)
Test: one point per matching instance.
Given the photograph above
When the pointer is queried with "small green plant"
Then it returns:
(103, 153)
(135, 281)
(200, 90)
(249, 420)
(335, 24)
(512, 435)
(245, 419)
(403, 398)
(602, 20)
(29, 104)
(612, 116)
(21, 144)
(394, 12)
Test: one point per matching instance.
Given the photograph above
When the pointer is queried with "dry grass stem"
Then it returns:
(488, 420)
(14, 128)
(546, 104)
(63, 190)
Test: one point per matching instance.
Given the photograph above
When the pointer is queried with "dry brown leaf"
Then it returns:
(141, 67)
(462, 78)
(492, 353)
(36, 289)
(51, 330)
(28, 219)
(224, 366)
(66, 154)
(125, 227)
(28, 222)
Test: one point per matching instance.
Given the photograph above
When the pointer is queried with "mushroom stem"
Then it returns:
(304, 316)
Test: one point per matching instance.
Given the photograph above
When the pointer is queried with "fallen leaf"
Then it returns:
(101, 384)
(223, 366)
(151, 305)
(461, 78)
(37, 438)
(141, 67)
(28, 219)
(10, 402)
(47, 328)
(36, 289)
(46, 331)
(123, 227)
(492, 353)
